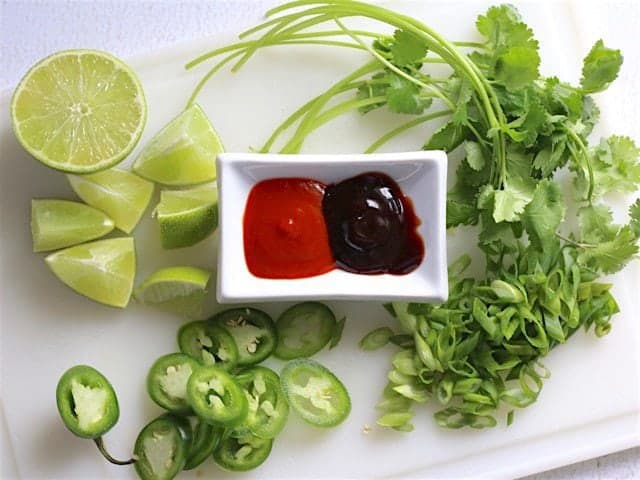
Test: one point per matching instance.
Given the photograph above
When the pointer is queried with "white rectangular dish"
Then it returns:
(590, 406)
(420, 175)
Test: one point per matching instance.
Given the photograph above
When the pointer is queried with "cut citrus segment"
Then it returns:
(102, 270)
(79, 111)
(183, 152)
(178, 289)
(187, 216)
(122, 195)
(61, 223)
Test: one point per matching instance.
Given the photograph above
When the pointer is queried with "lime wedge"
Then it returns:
(177, 289)
(79, 111)
(187, 216)
(122, 195)
(61, 223)
(183, 152)
(102, 270)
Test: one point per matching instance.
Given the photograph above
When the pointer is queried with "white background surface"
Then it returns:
(30, 30)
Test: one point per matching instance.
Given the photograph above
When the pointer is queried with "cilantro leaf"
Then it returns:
(517, 67)
(511, 200)
(407, 48)
(460, 212)
(447, 138)
(519, 163)
(616, 166)
(612, 255)
(376, 86)
(562, 98)
(605, 245)
(493, 234)
(460, 92)
(403, 96)
(496, 24)
(475, 156)
(590, 115)
(530, 124)
(596, 224)
(600, 68)
(551, 157)
(513, 59)
(543, 215)
(462, 199)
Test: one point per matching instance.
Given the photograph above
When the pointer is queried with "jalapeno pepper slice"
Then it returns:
(315, 393)
(216, 397)
(303, 330)
(167, 381)
(268, 407)
(253, 331)
(239, 454)
(87, 402)
(209, 344)
(162, 447)
(205, 440)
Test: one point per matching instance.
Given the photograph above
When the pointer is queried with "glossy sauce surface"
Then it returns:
(285, 235)
(372, 226)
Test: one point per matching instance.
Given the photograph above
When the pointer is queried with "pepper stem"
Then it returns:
(100, 444)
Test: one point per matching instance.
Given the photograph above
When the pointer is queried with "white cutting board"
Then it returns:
(590, 405)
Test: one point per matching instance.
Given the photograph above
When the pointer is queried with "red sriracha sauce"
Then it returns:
(285, 235)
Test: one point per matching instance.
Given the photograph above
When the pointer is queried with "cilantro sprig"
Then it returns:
(478, 354)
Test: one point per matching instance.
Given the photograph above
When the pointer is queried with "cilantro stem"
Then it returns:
(273, 21)
(404, 127)
(294, 145)
(335, 43)
(481, 46)
(323, 99)
(283, 32)
(291, 119)
(300, 36)
(236, 54)
(209, 74)
(395, 69)
(574, 243)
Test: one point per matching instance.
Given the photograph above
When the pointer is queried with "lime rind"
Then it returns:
(180, 290)
(183, 153)
(187, 217)
(62, 223)
(121, 194)
(102, 270)
(79, 111)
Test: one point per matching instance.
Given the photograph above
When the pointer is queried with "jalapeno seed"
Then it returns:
(167, 381)
(209, 344)
(216, 397)
(253, 331)
(239, 454)
(315, 393)
(268, 409)
(162, 447)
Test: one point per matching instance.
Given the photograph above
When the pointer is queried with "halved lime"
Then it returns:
(61, 223)
(183, 152)
(187, 216)
(102, 270)
(178, 289)
(79, 111)
(122, 195)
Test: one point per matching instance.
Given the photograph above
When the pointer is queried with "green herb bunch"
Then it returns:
(479, 352)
